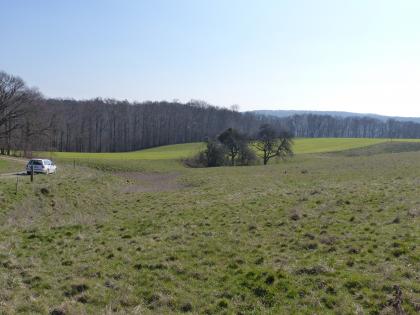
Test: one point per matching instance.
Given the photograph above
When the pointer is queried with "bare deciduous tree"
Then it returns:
(271, 144)
(15, 97)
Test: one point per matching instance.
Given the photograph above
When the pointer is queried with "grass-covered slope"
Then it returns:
(320, 145)
(178, 151)
(166, 158)
(382, 148)
(168, 152)
(318, 234)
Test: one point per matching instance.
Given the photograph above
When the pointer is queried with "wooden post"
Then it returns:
(74, 163)
(17, 183)
(32, 173)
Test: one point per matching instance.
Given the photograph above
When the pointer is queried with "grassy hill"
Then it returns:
(382, 148)
(177, 151)
(317, 234)
(167, 152)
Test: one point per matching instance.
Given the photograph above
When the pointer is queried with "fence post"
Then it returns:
(17, 183)
(32, 173)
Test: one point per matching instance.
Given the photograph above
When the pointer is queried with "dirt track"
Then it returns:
(20, 160)
(21, 173)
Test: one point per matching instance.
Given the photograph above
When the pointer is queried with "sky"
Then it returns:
(351, 55)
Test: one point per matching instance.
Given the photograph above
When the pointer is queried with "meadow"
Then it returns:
(169, 152)
(324, 232)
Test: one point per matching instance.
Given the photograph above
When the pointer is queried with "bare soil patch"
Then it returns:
(150, 182)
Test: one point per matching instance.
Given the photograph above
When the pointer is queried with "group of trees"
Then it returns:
(112, 126)
(30, 122)
(18, 107)
(232, 147)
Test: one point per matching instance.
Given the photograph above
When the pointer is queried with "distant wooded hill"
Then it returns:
(317, 126)
(109, 126)
(287, 113)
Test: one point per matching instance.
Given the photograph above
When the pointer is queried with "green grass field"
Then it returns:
(167, 152)
(177, 151)
(319, 233)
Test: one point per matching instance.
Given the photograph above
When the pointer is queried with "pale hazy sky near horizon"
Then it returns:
(359, 55)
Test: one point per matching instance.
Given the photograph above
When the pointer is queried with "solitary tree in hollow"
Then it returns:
(233, 141)
(270, 143)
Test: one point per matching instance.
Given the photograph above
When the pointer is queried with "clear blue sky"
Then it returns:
(355, 55)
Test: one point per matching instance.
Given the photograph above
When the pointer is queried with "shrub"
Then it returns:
(213, 155)
(247, 156)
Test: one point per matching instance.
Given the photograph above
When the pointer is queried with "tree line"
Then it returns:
(28, 122)
(318, 126)
(112, 126)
